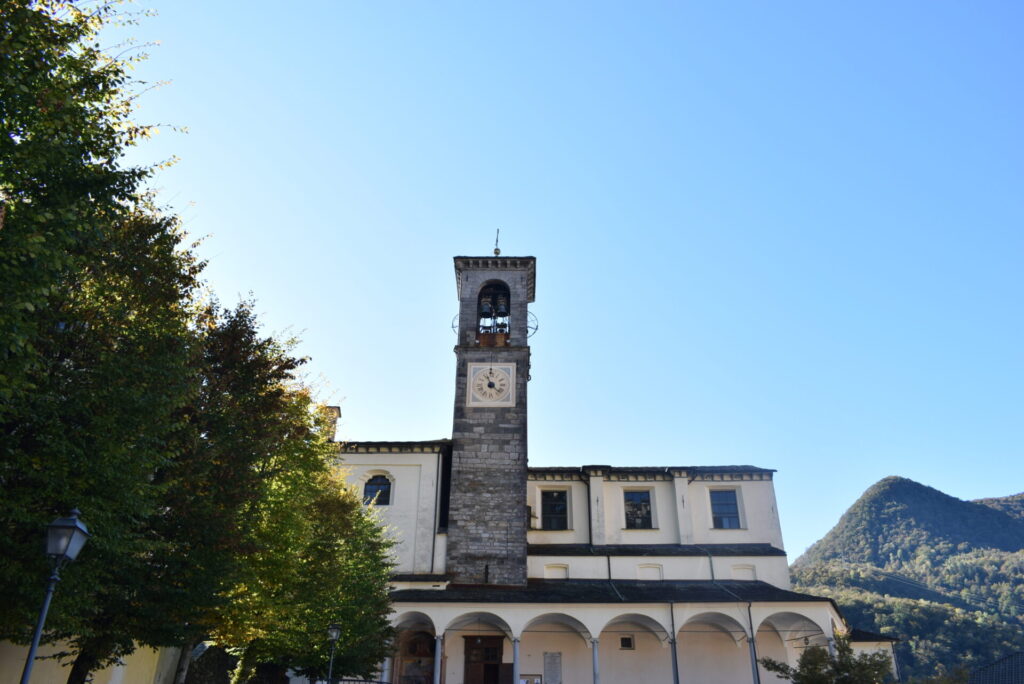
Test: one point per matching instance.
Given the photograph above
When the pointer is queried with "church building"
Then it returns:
(507, 573)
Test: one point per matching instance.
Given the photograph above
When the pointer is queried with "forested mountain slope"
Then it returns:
(945, 576)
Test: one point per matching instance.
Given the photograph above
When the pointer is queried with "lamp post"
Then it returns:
(333, 634)
(65, 537)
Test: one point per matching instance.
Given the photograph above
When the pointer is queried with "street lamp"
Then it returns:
(65, 537)
(333, 634)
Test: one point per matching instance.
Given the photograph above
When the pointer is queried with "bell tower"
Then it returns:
(487, 512)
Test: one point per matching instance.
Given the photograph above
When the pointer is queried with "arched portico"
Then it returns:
(784, 635)
(713, 649)
(634, 642)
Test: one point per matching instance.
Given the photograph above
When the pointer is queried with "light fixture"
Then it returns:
(333, 634)
(65, 538)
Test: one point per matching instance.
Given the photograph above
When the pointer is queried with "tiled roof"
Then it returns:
(1009, 670)
(604, 591)
(864, 635)
(653, 550)
(413, 577)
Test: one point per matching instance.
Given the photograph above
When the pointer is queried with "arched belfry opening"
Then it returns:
(493, 315)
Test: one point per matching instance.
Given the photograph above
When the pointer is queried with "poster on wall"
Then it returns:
(553, 668)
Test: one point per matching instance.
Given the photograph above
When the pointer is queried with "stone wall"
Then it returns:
(487, 515)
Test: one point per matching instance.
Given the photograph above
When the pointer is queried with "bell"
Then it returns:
(502, 308)
(486, 311)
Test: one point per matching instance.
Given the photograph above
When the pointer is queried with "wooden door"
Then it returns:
(483, 659)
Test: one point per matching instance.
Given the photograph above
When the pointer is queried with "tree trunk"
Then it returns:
(184, 660)
(85, 662)
(244, 670)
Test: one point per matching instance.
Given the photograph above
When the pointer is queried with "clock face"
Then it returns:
(491, 384)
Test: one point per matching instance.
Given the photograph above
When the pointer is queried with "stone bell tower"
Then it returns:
(487, 512)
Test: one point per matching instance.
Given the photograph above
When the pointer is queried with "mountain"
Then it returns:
(896, 516)
(1011, 505)
(945, 576)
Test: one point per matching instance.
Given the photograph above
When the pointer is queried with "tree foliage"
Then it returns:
(817, 666)
(202, 465)
(945, 576)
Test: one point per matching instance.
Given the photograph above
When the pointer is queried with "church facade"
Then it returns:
(574, 575)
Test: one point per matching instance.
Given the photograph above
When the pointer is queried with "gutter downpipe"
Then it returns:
(590, 515)
(753, 647)
(750, 617)
(437, 512)
(672, 643)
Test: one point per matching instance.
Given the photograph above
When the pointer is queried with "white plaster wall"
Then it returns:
(664, 517)
(579, 530)
(411, 515)
(759, 515)
(651, 661)
(771, 569)
(770, 645)
(554, 638)
(710, 657)
(144, 666)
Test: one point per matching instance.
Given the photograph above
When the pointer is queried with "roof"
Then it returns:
(413, 577)
(863, 635)
(421, 445)
(650, 470)
(1008, 670)
(604, 591)
(653, 550)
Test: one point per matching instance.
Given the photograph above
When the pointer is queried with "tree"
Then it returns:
(266, 540)
(199, 461)
(66, 124)
(817, 666)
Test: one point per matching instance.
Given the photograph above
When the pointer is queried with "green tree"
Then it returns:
(65, 122)
(817, 666)
(200, 462)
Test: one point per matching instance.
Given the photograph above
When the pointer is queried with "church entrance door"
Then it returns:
(483, 659)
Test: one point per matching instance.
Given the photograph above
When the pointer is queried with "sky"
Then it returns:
(781, 234)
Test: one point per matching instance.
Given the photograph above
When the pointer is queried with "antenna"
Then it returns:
(497, 252)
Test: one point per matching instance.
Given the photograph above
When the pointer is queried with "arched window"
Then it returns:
(377, 490)
(493, 315)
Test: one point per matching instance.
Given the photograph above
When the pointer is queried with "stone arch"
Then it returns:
(413, 650)
(485, 617)
(563, 620)
(414, 620)
(713, 647)
(645, 621)
(793, 627)
(719, 622)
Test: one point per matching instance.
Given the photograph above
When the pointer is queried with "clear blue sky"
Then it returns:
(785, 234)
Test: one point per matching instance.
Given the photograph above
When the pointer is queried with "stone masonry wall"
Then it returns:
(487, 516)
(487, 513)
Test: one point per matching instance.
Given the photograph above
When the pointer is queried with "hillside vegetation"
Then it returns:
(945, 576)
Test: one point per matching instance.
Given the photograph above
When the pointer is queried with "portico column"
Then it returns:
(385, 670)
(438, 641)
(597, 667)
(675, 661)
(515, 661)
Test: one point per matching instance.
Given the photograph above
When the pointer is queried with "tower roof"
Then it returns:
(498, 263)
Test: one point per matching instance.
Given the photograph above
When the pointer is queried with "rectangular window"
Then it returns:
(725, 512)
(638, 510)
(554, 509)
